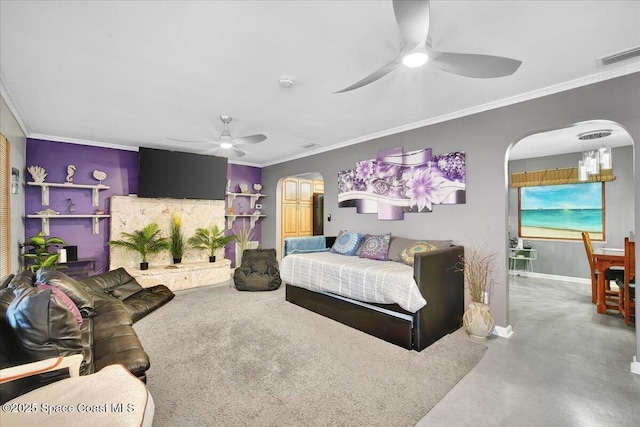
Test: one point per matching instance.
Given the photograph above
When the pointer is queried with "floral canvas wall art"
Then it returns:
(396, 182)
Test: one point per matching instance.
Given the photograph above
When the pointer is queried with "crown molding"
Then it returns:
(4, 93)
(619, 71)
(81, 141)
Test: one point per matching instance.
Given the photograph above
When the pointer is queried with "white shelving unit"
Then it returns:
(95, 228)
(526, 257)
(95, 191)
(253, 198)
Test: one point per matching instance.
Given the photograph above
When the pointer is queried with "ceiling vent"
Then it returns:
(621, 56)
(309, 145)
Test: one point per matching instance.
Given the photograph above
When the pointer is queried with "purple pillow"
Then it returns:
(64, 299)
(375, 247)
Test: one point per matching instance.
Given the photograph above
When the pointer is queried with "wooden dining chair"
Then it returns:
(612, 298)
(628, 285)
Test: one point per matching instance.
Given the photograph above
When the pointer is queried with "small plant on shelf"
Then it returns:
(210, 239)
(37, 255)
(146, 241)
(178, 242)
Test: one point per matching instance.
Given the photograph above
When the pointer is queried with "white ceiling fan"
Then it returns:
(226, 145)
(413, 20)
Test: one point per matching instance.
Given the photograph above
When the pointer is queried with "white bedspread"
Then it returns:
(362, 279)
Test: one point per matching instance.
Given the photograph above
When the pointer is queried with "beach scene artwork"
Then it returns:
(562, 211)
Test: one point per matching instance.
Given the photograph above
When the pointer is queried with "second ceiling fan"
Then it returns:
(413, 21)
(226, 145)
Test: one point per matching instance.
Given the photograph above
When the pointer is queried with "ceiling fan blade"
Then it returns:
(251, 139)
(192, 141)
(379, 73)
(413, 20)
(474, 65)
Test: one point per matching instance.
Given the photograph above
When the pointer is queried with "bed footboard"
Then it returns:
(441, 282)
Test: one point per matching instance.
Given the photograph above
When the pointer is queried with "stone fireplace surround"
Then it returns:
(130, 213)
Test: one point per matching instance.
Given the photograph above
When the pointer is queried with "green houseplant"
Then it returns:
(38, 255)
(210, 239)
(178, 243)
(146, 241)
(477, 263)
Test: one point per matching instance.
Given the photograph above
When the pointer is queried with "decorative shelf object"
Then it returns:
(95, 229)
(95, 190)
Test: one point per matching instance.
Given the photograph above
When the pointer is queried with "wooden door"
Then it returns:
(305, 191)
(290, 190)
(305, 220)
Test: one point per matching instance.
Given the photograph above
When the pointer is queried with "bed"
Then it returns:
(436, 276)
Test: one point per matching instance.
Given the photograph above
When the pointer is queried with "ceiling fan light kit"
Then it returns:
(226, 145)
(416, 58)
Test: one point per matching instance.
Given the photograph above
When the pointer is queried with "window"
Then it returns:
(562, 211)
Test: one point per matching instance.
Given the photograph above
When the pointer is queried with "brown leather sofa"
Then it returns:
(93, 317)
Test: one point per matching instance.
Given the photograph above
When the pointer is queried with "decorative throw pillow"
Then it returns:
(375, 247)
(347, 243)
(71, 287)
(406, 256)
(64, 299)
(398, 244)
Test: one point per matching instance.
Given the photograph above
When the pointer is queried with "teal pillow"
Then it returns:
(347, 243)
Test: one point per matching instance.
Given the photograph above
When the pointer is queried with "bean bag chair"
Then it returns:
(259, 271)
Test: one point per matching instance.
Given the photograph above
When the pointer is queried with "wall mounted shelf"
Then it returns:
(252, 198)
(254, 218)
(95, 229)
(95, 190)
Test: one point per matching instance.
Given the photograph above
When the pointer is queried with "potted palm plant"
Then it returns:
(210, 239)
(146, 241)
(178, 243)
(38, 255)
(477, 264)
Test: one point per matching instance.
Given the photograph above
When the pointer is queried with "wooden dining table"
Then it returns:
(606, 258)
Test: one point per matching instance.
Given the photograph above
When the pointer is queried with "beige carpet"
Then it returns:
(220, 357)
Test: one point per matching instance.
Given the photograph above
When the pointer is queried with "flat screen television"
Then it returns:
(178, 175)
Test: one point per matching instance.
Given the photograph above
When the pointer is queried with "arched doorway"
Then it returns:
(561, 148)
(300, 207)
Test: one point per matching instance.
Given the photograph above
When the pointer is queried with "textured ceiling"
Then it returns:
(132, 74)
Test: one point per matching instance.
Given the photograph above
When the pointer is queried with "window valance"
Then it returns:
(555, 177)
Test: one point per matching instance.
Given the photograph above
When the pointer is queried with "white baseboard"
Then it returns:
(503, 332)
(562, 278)
(635, 366)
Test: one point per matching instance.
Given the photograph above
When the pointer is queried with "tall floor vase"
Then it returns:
(478, 321)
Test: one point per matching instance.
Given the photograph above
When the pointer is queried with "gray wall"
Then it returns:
(486, 138)
(567, 257)
(11, 129)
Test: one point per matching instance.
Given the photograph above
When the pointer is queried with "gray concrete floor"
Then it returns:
(565, 365)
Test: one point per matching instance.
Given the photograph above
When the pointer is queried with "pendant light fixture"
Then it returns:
(594, 159)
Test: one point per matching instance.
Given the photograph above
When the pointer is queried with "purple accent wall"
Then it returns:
(121, 167)
(242, 174)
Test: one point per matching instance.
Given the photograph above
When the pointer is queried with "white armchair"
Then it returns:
(111, 396)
